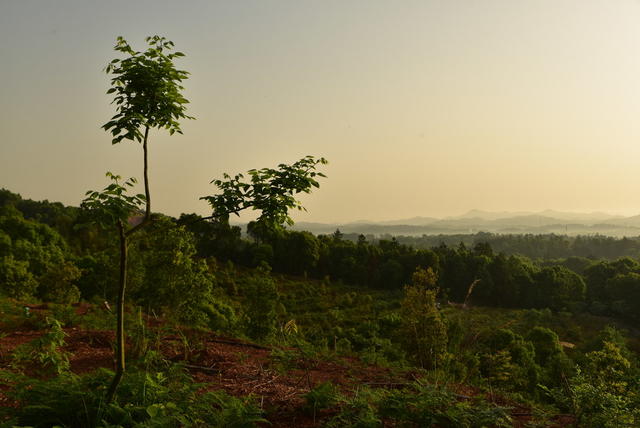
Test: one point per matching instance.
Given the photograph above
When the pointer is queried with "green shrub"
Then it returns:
(15, 278)
(343, 346)
(424, 405)
(359, 411)
(261, 298)
(324, 396)
(510, 363)
(145, 399)
(419, 404)
(423, 329)
(596, 406)
(58, 283)
(43, 353)
(65, 314)
(221, 317)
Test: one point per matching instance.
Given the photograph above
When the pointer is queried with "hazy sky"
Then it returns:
(423, 108)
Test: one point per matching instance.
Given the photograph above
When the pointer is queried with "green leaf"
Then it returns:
(153, 410)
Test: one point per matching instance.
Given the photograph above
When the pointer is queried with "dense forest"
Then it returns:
(546, 246)
(558, 336)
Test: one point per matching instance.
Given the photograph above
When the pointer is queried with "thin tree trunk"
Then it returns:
(120, 354)
(124, 234)
(147, 194)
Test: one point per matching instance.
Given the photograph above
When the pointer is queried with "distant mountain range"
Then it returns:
(474, 221)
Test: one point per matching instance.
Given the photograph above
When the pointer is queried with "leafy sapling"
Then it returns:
(147, 88)
(112, 204)
(147, 93)
(271, 191)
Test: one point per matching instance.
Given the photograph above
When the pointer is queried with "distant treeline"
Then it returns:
(43, 253)
(573, 283)
(543, 246)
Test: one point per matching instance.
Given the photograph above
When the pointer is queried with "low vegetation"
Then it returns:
(316, 350)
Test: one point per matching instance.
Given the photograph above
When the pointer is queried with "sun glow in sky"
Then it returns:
(423, 108)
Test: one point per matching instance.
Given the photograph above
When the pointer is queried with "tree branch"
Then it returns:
(147, 194)
(146, 220)
(211, 217)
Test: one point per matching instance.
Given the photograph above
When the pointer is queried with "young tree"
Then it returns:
(423, 329)
(147, 95)
(270, 191)
(147, 89)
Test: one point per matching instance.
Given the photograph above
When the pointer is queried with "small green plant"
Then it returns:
(419, 404)
(605, 393)
(66, 314)
(425, 404)
(44, 353)
(261, 297)
(15, 278)
(283, 360)
(51, 402)
(193, 342)
(14, 316)
(324, 396)
(359, 411)
(423, 328)
(167, 398)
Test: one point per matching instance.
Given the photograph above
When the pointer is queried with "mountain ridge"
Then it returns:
(473, 221)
